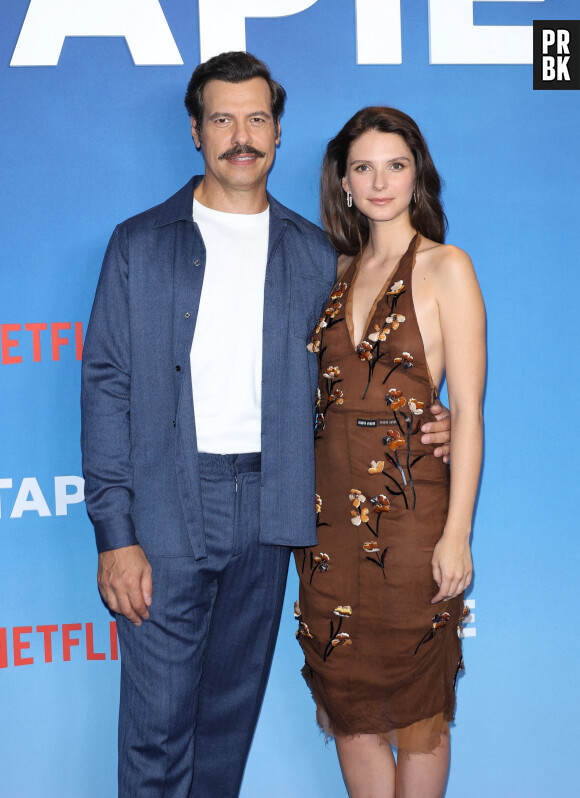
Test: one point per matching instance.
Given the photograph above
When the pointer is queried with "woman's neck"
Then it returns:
(387, 239)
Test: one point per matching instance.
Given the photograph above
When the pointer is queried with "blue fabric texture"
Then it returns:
(193, 676)
(140, 458)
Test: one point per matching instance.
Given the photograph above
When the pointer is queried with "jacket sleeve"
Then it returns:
(105, 403)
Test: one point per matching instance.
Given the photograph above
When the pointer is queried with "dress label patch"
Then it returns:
(373, 422)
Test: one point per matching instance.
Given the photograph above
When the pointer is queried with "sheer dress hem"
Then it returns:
(421, 737)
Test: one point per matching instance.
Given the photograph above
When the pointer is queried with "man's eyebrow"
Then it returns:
(219, 114)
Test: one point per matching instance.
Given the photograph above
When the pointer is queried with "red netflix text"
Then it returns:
(68, 642)
(39, 340)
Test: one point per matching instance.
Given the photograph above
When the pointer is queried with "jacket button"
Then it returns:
(178, 368)
(187, 315)
(196, 262)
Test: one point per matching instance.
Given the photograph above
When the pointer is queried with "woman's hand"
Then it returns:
(452, 566)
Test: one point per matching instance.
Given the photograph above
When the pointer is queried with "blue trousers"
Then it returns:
(193, 676)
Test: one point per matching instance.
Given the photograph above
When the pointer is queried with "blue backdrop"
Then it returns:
(94, 130)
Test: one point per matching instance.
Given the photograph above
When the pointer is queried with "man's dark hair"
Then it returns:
(234, 67)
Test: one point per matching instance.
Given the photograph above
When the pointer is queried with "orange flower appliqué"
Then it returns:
(321, 560)
(396, 288)
(338, 291)
(380, 333)
(331, 372)
(365, 350)
(303, 630)
(381, 503)
(332, 310)
(395, 439)
(341, 639)
(357, 519)
(395, 399)
(416, 407)
(356, 497)
(394, 320)
(406, 359)
(377, 467)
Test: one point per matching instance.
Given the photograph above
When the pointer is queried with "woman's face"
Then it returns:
(380, 174)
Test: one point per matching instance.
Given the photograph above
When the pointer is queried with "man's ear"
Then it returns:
(195, 133)
(278, 133)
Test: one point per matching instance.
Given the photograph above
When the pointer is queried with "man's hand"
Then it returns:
(438, 431)
(125, 582)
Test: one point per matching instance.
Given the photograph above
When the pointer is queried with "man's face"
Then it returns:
(238, 136)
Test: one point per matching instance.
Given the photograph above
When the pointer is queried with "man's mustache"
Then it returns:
(239, 149)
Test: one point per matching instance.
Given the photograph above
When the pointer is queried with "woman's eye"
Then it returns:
(362, 167)
(396, 167)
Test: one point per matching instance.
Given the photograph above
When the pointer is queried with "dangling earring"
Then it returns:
(349, 199)
(414, 197)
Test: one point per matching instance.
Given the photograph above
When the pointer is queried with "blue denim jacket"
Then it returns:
(138, 427)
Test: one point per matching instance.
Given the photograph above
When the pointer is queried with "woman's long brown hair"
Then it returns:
(348, 228)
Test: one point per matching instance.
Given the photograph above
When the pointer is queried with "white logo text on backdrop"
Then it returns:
(453, 36)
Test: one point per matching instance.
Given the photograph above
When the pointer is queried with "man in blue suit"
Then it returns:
(198, 449)
(197, 411)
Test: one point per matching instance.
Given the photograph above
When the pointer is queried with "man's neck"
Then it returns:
(215, 196)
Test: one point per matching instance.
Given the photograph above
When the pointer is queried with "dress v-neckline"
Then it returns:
(348, 314)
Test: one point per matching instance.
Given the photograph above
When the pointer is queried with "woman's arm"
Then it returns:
(462, 320)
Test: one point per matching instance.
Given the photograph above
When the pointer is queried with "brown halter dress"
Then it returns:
(380, 658)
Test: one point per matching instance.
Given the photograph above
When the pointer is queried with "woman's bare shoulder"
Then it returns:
(443, 260)
(447, 271)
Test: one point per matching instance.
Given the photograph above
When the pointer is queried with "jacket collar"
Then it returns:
(179, 207)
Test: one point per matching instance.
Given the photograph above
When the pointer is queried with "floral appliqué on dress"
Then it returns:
(338, 638)
(407, 426)
(370, 353)
(334, 395)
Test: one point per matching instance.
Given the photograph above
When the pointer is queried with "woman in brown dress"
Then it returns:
(381, 596)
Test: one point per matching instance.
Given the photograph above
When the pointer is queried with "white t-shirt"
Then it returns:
(226, 354)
